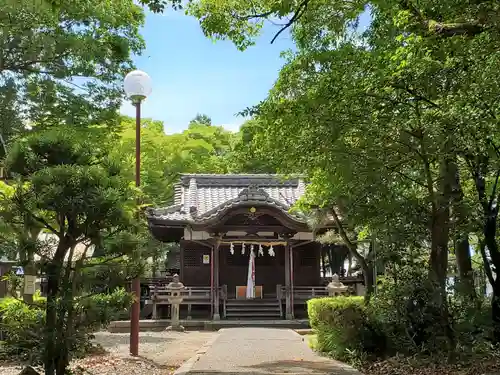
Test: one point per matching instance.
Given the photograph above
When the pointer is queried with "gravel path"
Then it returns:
(160, 353)
(252, 351)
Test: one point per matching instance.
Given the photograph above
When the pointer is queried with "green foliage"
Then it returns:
(396, 127)
(201, 119)
(23, 326)
(65, 62)
(68, 197)
(22, 329)
(343, 327)
(247, 155)
(199, 149)
(406, 311)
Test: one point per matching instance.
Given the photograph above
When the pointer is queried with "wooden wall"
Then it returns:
(193, 271)
(306, 265)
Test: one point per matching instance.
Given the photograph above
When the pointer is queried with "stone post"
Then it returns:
(174, 290)
(335, 287)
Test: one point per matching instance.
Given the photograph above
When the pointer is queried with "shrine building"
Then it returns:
(221, 221)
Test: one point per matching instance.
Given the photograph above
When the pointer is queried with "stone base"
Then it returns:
(216, 317)
(178, 328)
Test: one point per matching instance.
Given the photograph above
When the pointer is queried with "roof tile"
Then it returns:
(200, 196)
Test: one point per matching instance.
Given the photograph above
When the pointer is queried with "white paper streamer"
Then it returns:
(271, 251)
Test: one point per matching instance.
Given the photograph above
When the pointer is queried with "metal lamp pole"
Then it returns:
(137, 86)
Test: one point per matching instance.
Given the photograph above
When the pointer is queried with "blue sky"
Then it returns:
(192, 74)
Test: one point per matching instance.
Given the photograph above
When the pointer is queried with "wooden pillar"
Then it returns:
(292, 282)
(181, 261)
(288, 282)
(215, 276)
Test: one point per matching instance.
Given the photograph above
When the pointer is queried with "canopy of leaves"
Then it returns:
(198, 149)
(63, 62)
(71, 189)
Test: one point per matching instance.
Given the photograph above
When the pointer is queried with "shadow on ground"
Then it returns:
(288, 367)
(125, 340)
(151, 363)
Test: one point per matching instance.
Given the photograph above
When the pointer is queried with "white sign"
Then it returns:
(29, 284)
(206, 259)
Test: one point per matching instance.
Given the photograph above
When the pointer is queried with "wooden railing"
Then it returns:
(190, 296)
(344, 279)
(301, 293)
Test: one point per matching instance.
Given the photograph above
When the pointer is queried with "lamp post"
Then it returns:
(137, 86)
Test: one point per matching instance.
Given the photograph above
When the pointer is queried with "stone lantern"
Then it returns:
(335, 287)
(174, 295)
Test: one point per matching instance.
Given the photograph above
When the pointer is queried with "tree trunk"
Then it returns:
(51, 339)
(491, 243)
(461, 234)
(489, 204)
(464, 265)
(369, 285)
(367, 270)
(495, 310)
(440, 229)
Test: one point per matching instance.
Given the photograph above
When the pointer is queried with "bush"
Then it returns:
(22, 329)
(23, 326)
(343, 327)
(405, 311)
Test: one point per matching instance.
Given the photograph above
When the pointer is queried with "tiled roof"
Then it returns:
(200, 197)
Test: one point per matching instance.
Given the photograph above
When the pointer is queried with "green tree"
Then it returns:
(201, 119)
(397, 128)
(247, 155)
(198, 149)
(63, 62)
(66, 185)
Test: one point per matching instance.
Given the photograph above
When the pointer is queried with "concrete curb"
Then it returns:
(188, 365)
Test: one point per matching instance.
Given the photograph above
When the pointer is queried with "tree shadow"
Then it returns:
(119, 339)
(328, 367)
(150, 362)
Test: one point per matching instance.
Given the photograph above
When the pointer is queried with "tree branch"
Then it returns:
(299, 12)
(444, 29)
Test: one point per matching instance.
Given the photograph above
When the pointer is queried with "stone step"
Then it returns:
(252, 314)
(252, 303)
(253, 308)
(265, 323)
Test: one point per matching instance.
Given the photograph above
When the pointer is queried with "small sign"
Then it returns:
(206, 259)
(29, 284)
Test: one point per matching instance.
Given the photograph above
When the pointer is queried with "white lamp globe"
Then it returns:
(137, 85)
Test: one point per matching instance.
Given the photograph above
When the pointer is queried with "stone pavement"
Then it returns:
(261, 351)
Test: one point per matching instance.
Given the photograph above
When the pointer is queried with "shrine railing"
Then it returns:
(198, 295)
(301, 293)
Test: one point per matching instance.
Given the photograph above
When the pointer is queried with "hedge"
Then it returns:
(343, 327)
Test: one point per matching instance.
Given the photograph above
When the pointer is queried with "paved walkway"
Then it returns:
(260, 351)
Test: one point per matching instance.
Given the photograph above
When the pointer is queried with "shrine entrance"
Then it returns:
(268, 269)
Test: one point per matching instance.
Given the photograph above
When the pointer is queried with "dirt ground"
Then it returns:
(160, 353)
